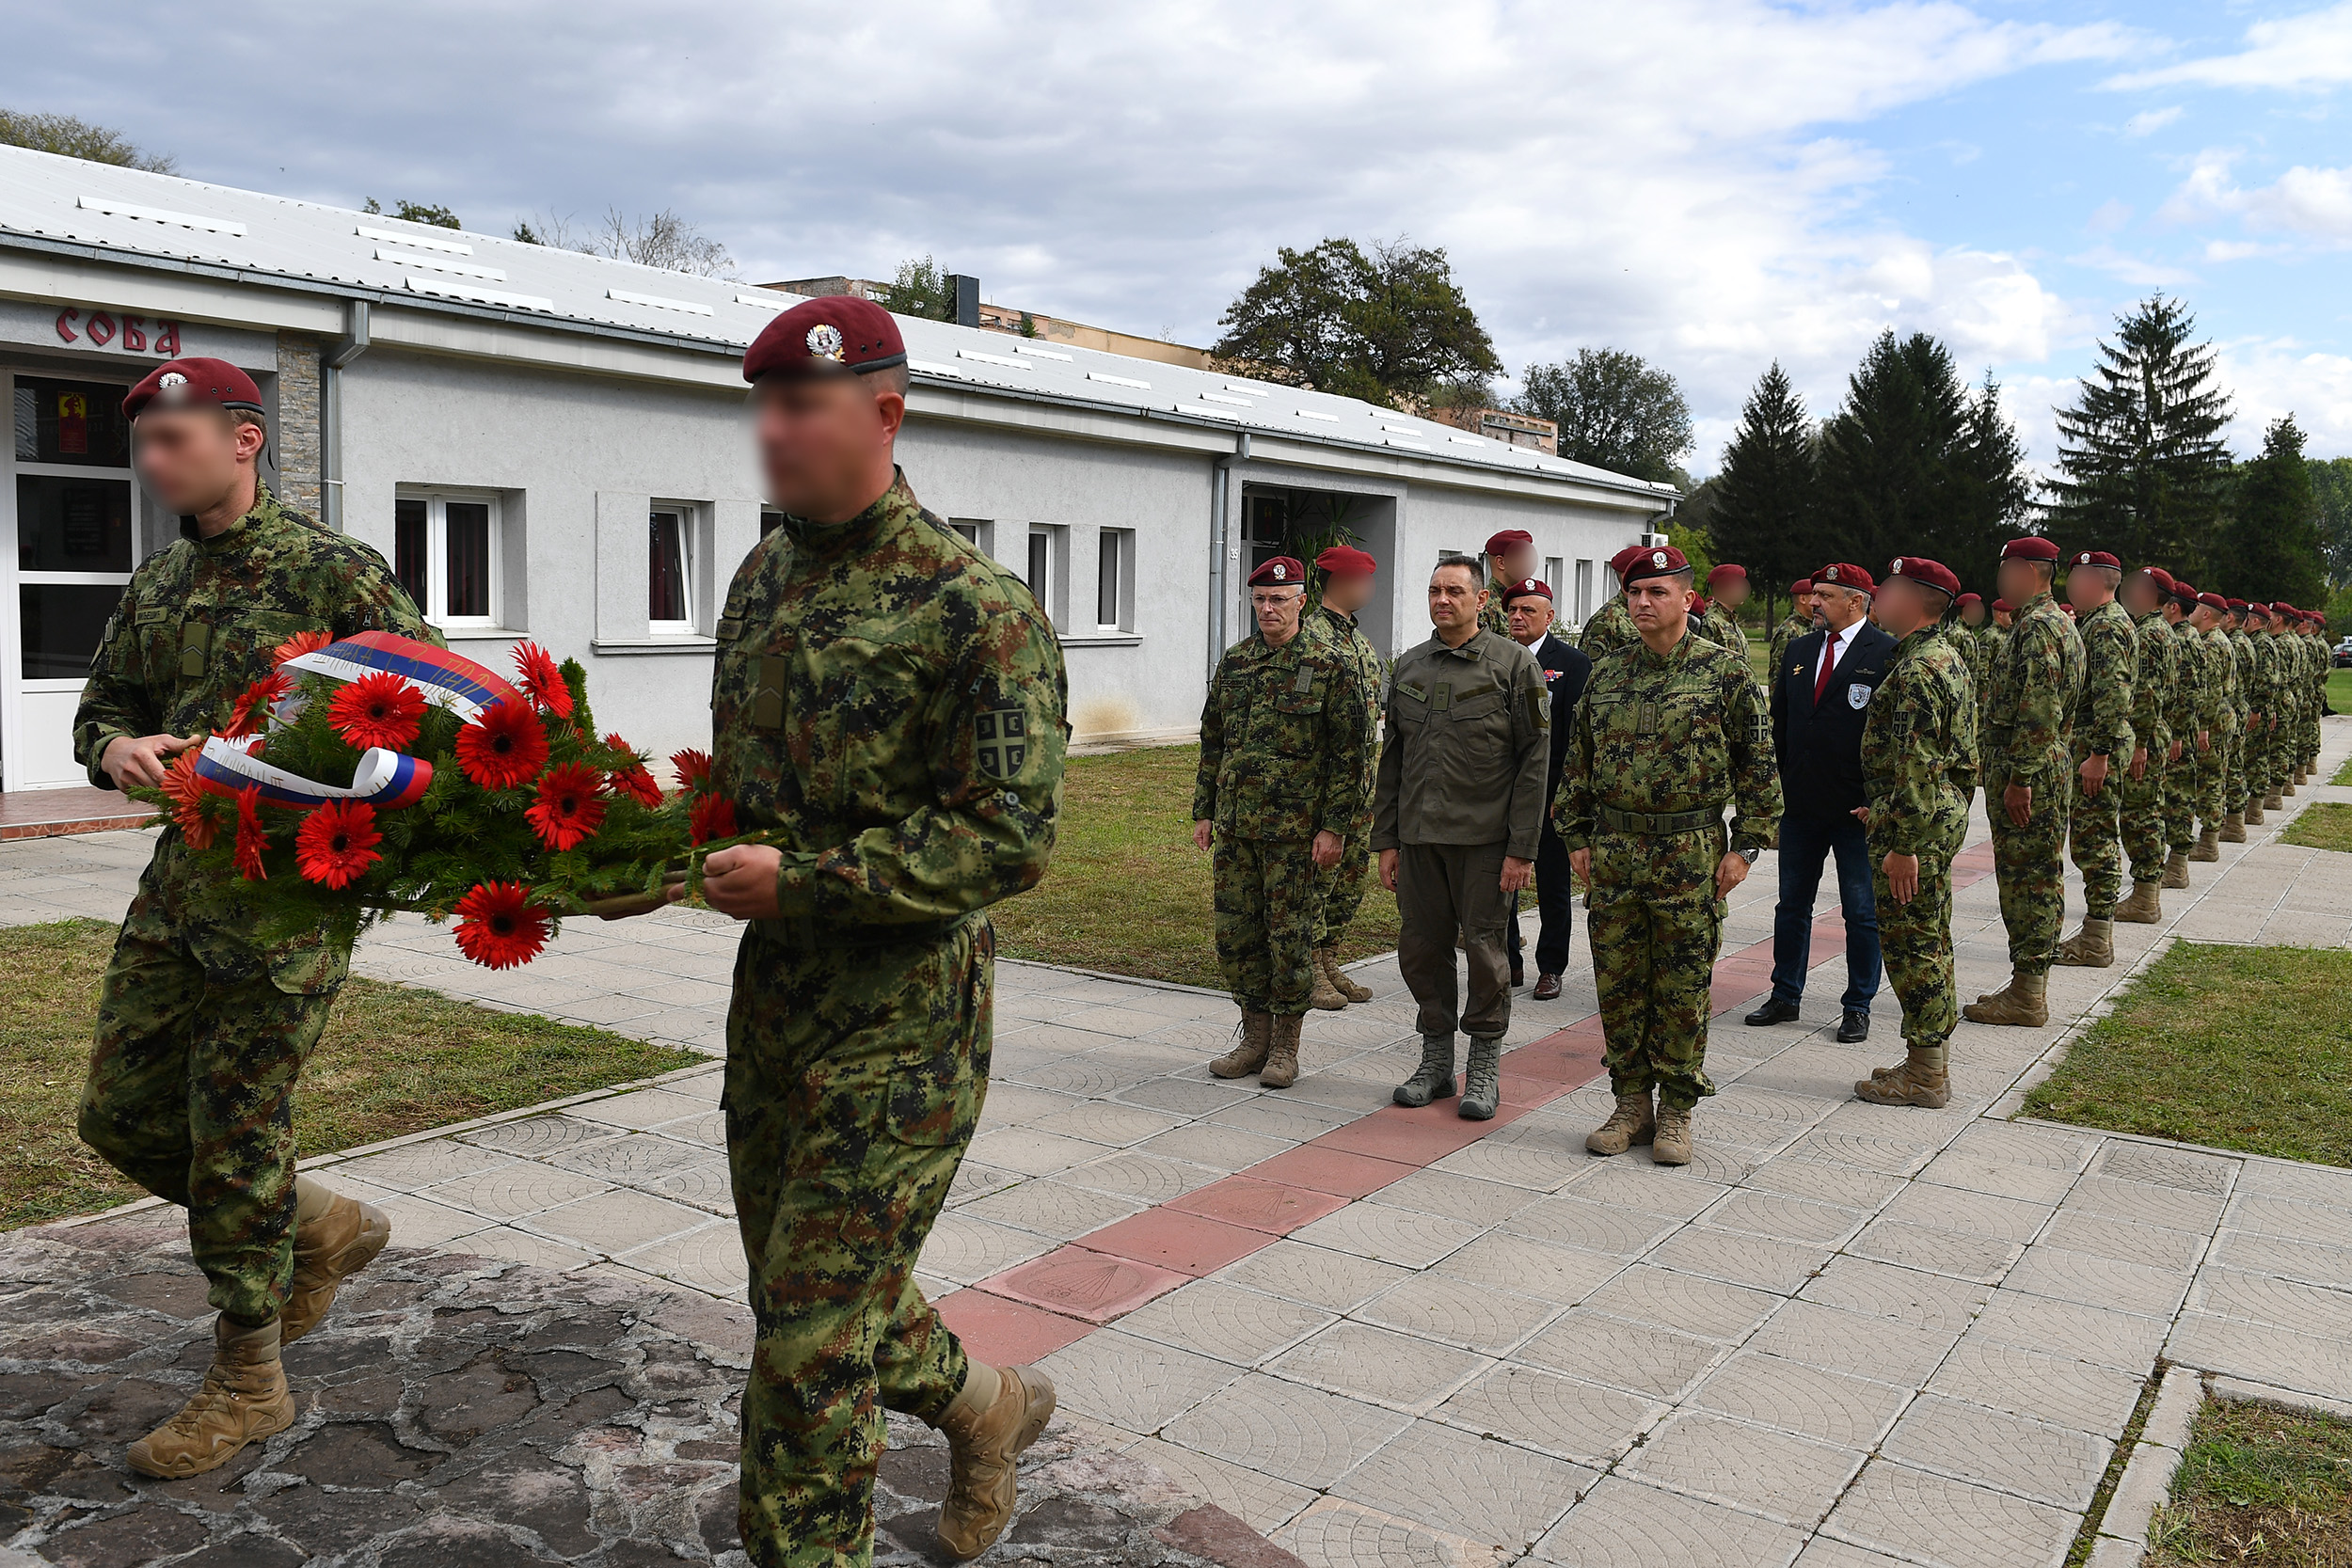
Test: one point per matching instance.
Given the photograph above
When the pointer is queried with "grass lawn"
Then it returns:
(1128, 892)
(393, 1061)
(2324, 825)
(2340, 689)
(2244, 1048)
(2258, 1484)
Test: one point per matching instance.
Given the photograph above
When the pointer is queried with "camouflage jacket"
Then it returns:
(1469, 743)
(1687, 731)
(2167, 669)
(1491, 615)
(2191, 703)
(1610, 629)
(1975, 647)
(1722, 627)
(2100, 717)
(2250, 674)
(2036, 680)
(1919, 746)
(1286, 740)
(2218, 700)
(1790, 628)
(1338, 629)
(890, 702)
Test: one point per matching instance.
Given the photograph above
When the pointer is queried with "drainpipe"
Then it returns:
(1220, 519)
(337, 353)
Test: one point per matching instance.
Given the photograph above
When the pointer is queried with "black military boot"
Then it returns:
(1482, 1084)
(1433, 1078)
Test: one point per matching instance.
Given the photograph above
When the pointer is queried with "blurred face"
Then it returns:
(192, 458)
(1350, 592)
(1530, 615)
(1972, 613)
(2140, 593)
(1278, 610)
(1517, 562)
(822, 441)
(1660, 606)
(1454, 599)
(2088, 587)
(1900, 608)
(2020, 580)
(1731, 593)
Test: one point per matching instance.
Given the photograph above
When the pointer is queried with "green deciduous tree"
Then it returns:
(1615, 411)
(2142, 470)
(2270, 546)
(70, 137)
(1764, 500)
(1389, 326)
(418, 212)
(920, 289)
(2331, 484)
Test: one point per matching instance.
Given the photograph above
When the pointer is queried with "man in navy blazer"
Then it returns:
(1528, 608)
(1819, 696)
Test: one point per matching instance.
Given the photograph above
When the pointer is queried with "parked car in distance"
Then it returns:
(2343, 653)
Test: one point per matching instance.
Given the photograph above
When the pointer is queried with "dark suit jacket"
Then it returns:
(1565, 669)
(1820, 751)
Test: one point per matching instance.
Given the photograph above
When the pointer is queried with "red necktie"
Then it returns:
(1829, 658)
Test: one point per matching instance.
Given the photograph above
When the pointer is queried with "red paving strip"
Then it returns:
(1274, 1206)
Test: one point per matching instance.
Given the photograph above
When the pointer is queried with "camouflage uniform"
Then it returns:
(1976, 648)
(2180, 784)
(1721, 627)
(2035, 682)
(1662, 743)
(2154, 695)
(201, 1031)
(2215, 711)
(2261, 780)
(1991, 640)
(1919, 764)
(888, 702)
(1286, 747)
(1491, 615)
(2101, 724)
(1339, 891)
(2244, 763)
(1611, 627)
(1796, 625)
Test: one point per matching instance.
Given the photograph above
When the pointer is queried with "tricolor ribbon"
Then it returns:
(383, 778)
(447, 680)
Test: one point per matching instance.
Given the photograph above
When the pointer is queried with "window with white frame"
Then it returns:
(445, 551)
(1553, 567)
(1114, 579)
(670, 570)
(1583, 591)
(978, 533)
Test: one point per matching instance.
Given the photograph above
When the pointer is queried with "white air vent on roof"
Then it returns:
(447, 288)
(1203, 409)
(659, 302)
(1402, 430)
(1045, 353)
(1253, 391)
(1310, 414)
(1004, 359)
(157, 214)
(455, 248)
(932, 367)
(766, 299)
(1473, 441)
(1118, 380)
(1220, 397)
(441, 264)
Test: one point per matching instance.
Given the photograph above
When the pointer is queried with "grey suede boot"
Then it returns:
(1433, 1078)
(1482, 1085)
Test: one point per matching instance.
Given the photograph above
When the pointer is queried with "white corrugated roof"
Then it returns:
(137, 214)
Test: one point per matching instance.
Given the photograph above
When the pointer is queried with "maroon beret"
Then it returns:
(2214, 601)
(1281, 572)
(1343, 561)
(180, 383)
(1659, 562)
(2094, 558)
(1844, 573)
(2238, 605)
(831, 336)
(1507, 538)
(1970, 598)
(2031, 548)
(1624, 559)
(2279, 606)
(1934, 574)
(2002, 607)
(2254, 609)
(2162, 579)
(1801, 587)
(1727, 569)
(1527, 588)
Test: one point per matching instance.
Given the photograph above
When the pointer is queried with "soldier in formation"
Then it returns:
(1348, 577)
(2101, 732)
(1799, 622)
(1510, 558)
(1286, 742)
(1972, 634)
(2245, 774)
(202, 1029)
(1610, 626)
(1672, 731)
(1718, 623)
(2166, 668)
(2214, 715)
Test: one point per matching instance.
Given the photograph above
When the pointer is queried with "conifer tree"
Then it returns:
(2271, 549)
(1761, 506)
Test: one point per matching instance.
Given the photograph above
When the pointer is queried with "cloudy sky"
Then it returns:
(1712, 183)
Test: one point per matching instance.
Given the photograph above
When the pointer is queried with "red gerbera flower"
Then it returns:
(505, 747)
(499, 927)
(252, 710)
(713, 816)
(543, 679)
(250, 842)
(568, 810)
(186, 793)
(299, 643)
(378, 709)
(336, 843)
(692, 767)
(634, 778)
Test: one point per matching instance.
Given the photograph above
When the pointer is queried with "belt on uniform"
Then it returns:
(809, 935)
(1660, 822)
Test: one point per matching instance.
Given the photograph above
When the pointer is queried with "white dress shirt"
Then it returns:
(1833, 646)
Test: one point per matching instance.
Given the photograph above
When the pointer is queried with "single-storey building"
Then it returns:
(553, 444)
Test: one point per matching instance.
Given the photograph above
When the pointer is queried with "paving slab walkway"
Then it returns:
(1846, 1335)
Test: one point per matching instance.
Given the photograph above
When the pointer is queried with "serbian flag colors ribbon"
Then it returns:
(385, 779)
(447, 680)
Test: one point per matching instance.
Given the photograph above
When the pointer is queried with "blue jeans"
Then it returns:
(1805, 841)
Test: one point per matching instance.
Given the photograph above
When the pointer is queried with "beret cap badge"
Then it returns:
(1280, 573)
(171, 379)
(1658, 558)
(826, 342)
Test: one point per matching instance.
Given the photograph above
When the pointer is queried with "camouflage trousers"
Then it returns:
(1267, 902)
(2140, 819)
(2212, 767)
(2233, 789)
(854, 1080)
(191, 1086)
(1916, 943)
(2094, 829)
(2030, 863)
(1340, 890)
(2179, 806)
(2260, 765)
(1655, 929)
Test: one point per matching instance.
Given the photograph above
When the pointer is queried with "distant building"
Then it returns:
(1497, 424)
(1026, 323)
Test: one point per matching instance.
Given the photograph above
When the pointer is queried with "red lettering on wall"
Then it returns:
(168, 339)
(66, 318)
(133, 337)
(102, 328)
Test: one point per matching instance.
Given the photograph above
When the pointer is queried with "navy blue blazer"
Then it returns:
(1819, 750)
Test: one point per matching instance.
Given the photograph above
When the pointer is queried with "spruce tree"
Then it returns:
(2142, 470)
(1761, 509)
(2271, 549)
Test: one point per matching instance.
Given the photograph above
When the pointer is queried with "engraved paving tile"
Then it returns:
(1133, 1383)
(1492, 1492)
(1777, 1473)
(1593, 1225)
(1977, 1213)
(1758, 1260)
(1380, 1364)
(511, 1191)
(1849, 1342)
(2033, 1459)
(1102, 1122)
(1052, 1208)
(1535, 1169)
(1708, 1307)
(1932, 1519)
(2291, 1217)
(1184, 1096)
(1907, 1295)
(1337, 1280)
(2192, 1173)
(2103, 1236)
(2027, 1383)
(2264, 1354)
(634, 1155)
(1835, 1407)
(1390, 1234)
(2067, 1328)
(1032, 1152)
(2256, 1297)
(1225, 1321)
(1463, 1197)
(1261, 1501)
(1887, 1155)
(1628, 1354)
(1645, 1188)
(1950, 1252)
(537, 1135)
(2310, 1262)
(1457, 1312)
(1562, 1415)
(706, 1186)
(968, 1250)
(2150, 1204)
(1307, 1436)
(1825, 1182)
(1622, 1522)
(1337, 1533)
(1794, 1219)
(1146, 1177)
(1563, 1275)
(2078, 1276)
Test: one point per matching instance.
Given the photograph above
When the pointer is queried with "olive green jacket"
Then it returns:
(1469, 742)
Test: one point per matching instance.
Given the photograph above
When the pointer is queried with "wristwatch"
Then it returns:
(1748, 855)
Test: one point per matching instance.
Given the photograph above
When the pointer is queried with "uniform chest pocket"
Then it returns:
(245, 645)
(1291, 720)
(861, 705)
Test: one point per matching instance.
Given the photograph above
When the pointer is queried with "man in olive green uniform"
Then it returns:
(1798, 623)
(1510, 558)
(1455, 818)
(2027, 764)
(2105, 743)
(1348, 580)
(1285, 743)
(1612, 625)
(202, 1030)
(1670, 732)
(2156, 696)
(1920, 767)
(887, 705)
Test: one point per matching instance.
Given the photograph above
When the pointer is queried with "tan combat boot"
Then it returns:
(1281, 1059)
(1922, 1078)
(2253, 812)
(1248, 1054)
(2272, 802)
(2287, 789)
(1673, 1144)
(335, 1237)
(2234, 827)
(1324, 995)
(2208, 844)
(986, 1433)
(2092, 947)
(2175, 869)
(1632, 1122)
(1328, 959)
(2023, 1002)
(243, 1399)
(2145, 907)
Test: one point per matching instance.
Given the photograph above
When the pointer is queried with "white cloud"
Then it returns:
(2109, 217)
(2314, 204)
(2139, 272)
(2149, 120)
(2273, 376)
(2310, 52)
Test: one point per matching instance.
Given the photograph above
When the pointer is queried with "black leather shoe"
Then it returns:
(1518, 974)
(1774, 1011)
(1547, 988)
(1856, 1027)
